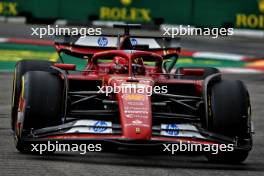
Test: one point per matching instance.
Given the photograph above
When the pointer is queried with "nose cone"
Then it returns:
(134, 103)
(136, 117)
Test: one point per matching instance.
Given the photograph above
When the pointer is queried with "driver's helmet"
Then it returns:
(138, 66)
(119, 65)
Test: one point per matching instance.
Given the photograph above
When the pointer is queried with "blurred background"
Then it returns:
(240, 56)
(242, 52)
(208, 13)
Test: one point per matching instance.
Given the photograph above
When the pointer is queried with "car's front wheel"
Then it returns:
(21, 68)
(40, 105)
(229, 114)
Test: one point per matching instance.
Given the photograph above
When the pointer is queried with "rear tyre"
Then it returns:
(21, 68)
(229, 114)
(40, 105)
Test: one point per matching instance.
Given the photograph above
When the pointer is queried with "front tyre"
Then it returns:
(229, 114)
(21, 68)
(40, 105)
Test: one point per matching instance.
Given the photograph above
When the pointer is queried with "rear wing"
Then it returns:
(89, 45)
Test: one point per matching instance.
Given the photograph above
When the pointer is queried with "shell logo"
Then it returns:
(261, 6)
(126, 2)
(134, 97)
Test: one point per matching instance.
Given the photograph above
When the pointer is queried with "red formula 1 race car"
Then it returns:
(130, 94)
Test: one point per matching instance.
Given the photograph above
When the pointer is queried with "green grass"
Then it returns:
(11, 53)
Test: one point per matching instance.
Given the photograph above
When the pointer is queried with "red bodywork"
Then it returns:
(135, 109)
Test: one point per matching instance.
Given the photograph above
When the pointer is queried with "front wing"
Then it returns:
(94, 131)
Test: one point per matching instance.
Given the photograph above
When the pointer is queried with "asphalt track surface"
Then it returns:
(135, 163)
(127, 162)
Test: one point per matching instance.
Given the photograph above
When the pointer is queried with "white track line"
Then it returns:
(3, 40)
(219, 56)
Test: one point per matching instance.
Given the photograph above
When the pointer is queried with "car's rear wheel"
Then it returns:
(229, 114)
(40, 105)
(21, 68)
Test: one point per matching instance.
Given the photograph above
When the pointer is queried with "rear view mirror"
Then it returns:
(65, 66)
(192, 71)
